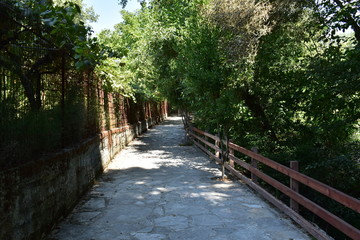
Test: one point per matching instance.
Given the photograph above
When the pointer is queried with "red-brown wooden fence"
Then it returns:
(292, 191)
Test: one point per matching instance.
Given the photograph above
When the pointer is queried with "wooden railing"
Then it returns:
(201, 139)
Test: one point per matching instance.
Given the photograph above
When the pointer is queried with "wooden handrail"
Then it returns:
(206, 142)
(218, 160)
(322, 188)
(328, 191)
(313, 230)
(216, 138)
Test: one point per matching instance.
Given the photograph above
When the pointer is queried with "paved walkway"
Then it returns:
(157, 189)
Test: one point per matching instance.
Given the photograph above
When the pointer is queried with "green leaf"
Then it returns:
(50, 21)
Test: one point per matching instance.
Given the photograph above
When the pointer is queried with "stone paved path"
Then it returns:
(157, 189)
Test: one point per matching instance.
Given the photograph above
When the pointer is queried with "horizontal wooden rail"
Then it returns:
(216, 138)
(313, 207)
(241, 163)
(314, 231)
(218, 160)
(327, 216)
(205, 142)
(322, 188)
(328, 191)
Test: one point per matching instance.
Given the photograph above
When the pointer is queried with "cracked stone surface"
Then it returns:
(158, 189)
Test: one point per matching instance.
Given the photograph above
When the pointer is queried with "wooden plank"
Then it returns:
(216, 138)
(201, 147)
(310, 228)
(320, 187)
(217, 153)
(313, 207)
(218, 160)
(294, 185)
(335, 221)
(231, 162)
(254, 164)
(328, 191)
(239, 162)
(205, 142)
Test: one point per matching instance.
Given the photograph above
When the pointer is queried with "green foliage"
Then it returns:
(87, 14)
(275, 74)
(28, 136)
(294, 86)
(55, 31)
(340, 15)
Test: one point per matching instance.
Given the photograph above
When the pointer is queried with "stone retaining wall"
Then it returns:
(35, 196)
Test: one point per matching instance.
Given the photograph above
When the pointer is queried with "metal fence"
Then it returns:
(46, 104)
(65, 106)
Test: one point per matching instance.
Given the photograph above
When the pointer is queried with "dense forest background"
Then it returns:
(282, 75)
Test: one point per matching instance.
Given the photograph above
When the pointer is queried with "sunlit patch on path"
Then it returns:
(159, 189)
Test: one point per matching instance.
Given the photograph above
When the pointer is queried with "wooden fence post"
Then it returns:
(231, 152)
(294, 185)
(254, 164)
(206, 139)
(217, 143)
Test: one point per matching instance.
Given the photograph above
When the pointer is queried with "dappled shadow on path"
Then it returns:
(157, 189)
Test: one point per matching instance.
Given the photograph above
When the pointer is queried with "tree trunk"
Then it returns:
(37, 79)
(253, 103)
(29, 92)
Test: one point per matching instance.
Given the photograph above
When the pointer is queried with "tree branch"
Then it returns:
(349, 19)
